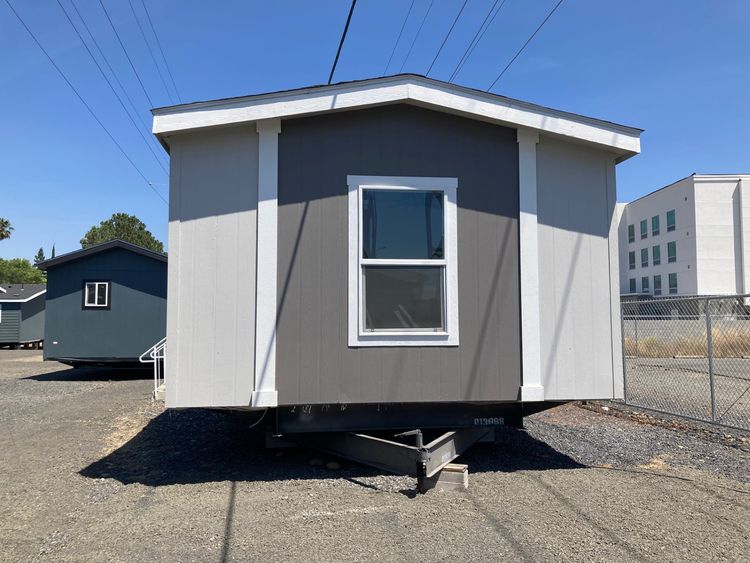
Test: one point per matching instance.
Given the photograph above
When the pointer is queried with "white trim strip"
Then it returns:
(264, 393)
(532, 388)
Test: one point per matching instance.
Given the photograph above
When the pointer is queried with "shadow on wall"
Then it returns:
(95, 374)
(199, 446)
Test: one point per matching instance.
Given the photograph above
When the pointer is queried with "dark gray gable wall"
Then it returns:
(314, 363)
(32, 319)
(135, 321)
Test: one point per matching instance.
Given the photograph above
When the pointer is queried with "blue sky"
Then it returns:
(679, 69)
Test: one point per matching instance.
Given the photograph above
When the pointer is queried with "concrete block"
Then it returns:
(453, 477)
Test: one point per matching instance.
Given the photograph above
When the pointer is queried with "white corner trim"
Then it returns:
(2, 290)
(264, 392)
(532, 389)
(357, 337)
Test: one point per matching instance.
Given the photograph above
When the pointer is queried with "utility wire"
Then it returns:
(421, 25)
(124, 50)
(476, 39)
(499, 76)
(341, 42)
(461, 11)
(150, 51)
(78, 95)
(398, 39)
(158, 44)
(111, 87)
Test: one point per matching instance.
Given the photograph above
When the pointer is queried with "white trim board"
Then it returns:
(397, 89)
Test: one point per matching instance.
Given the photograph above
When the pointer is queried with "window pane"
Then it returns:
(670, 220)
(632, 285)
(403, 298)
(402, 224)
(644, 258)
(631, 260)
(672, 283)
(644, 229)
(655, 225)
(90, 293)
(631, 233)
(101, 294)
(644, 284)
(656, 251)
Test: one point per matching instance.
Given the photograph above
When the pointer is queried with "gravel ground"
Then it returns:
(93, 471)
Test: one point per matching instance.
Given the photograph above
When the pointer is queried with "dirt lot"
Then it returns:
(91, 470)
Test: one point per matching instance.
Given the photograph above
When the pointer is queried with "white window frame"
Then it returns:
(357, 335)
(96, 284)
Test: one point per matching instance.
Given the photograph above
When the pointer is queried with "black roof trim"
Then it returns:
(117, 243)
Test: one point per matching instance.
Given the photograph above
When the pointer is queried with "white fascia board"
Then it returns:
(443, 97)
(23, 300)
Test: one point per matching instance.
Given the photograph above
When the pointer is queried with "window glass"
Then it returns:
(672, 252)
(631, 233)
(644, 258)
(656, 255)
(101, 294)
(400, 224)
(403, 298)
(632, 285)
(671, 223)
(654, 225)
(672, 283)
(657, 285)
(644, 284)
(631, 260)
(96, 294)
(644, 229)
(90, 294)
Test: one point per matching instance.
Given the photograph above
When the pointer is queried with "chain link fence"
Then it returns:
(689, 357)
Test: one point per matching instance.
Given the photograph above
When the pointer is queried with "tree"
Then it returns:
(39, 256)
(124, 227)
(5, 228)
(19, 270)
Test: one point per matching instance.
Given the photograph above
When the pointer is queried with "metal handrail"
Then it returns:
(156, 355)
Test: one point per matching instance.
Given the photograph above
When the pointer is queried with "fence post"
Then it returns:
(635, 328)
(710, 354)
(624, 355)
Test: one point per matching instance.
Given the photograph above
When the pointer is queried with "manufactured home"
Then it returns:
(393, 253)
(106, 304)
(22, 314)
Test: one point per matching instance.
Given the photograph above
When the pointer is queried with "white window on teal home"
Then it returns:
(644, 229)
(654, 225)
(644, 284)
(631, 260)
(657, 285)
(632, 285)
(672, 283)
(631, 233)
(672, 251)
(644, 257)
(671, 222)
(656, 255)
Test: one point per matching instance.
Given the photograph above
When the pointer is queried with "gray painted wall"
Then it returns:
(135, 321)
(32, 322)
(212, 234)
(10, 323)
(314, 363)
(578, 272)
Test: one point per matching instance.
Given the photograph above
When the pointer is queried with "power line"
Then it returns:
(476, 39)
(150, 51)
(499, 76)
(124, 50)
(421, 25)
(398, 39)
(158, 44)
(461, 11)
(341, 43)
(111, 87)
(461, 64)
(78, 95)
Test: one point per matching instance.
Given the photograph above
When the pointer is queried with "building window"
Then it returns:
(672, 283)
(654, 225)
(657, 285)
(631, 260)
(644, 229)
(671, 223)
(656, 255)
(632, 285)
(672, 251)
(644, 258)
(403, 277)
(644, 284)
(631, 233)
(96, 294)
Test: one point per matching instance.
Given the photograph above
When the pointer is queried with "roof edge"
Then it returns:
(97, 248)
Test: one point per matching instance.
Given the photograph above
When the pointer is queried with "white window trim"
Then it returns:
(96, 293)
(357, 337)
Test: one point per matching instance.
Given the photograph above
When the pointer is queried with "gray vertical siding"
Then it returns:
(32, 322)
(314, 363)
(10, 323)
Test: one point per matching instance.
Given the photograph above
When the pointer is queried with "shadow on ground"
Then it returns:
(199, 446)
(94, 374)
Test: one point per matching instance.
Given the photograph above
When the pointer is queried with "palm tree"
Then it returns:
(5, 228)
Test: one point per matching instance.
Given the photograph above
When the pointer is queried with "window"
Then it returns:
(96, 295)
(656, 255)
(657, 285)
(654, 225)
(644, 257)
(631, 233)
(403, 278)
(672, 283)
(644, 284)
(632, 285)
(631, 260)
(672, 251)
(671, 223)
(644, 229)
